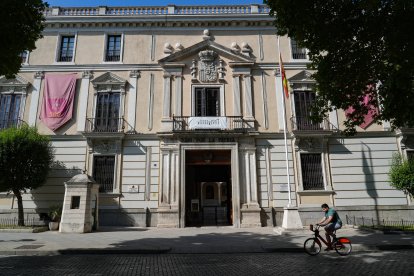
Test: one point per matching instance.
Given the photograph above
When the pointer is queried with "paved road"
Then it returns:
(399, 263)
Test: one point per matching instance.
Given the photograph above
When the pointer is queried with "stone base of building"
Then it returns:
(250, 216)
(168, 218)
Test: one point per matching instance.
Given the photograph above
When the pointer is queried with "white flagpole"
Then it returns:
(284, 128)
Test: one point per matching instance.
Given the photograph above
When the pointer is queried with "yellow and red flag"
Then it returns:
(284, 79)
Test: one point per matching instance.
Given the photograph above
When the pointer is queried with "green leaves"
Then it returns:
(402, 174)
(354, 45)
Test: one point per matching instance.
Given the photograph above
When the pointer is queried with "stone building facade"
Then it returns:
(178, 114)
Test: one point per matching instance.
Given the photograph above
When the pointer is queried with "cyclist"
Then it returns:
(331, 221)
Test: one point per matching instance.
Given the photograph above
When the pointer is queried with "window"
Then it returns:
(303, 101)
(410, 155)
(24, 56)
(298, 52)
(9, 110)
(103, 172)
(312, 174)
(113, 48)
(66, 49)
(207, 102)
(107, 112)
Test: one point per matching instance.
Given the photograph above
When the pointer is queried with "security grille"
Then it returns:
(303, 103)
(312, 176)
(298, 52)
(207, 102)
(113, 48)
(103, 172)
(9, 110)
(107, 112)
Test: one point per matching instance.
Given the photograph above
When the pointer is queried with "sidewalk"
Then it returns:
(207, 240)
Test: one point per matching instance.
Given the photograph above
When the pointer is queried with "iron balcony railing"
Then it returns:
(113, 55)
(11, 123)
(306, 124)
(65, 56)
(228, 123)
(105, 125)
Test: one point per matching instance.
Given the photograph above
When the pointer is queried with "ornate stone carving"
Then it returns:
(168, 49)
(179, 47)
(87, 74)
(193, 69)
(208, 69)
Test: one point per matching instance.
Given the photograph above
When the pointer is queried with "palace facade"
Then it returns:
(178, 114)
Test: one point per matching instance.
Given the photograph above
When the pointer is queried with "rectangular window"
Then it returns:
(312, 175)
(107, 112)
(303, 101)
(410, 155)
(23, 55)
(207, 102)
(298, 52)
(66, 49)
(104, 172)
(9, 110)
(113, 48)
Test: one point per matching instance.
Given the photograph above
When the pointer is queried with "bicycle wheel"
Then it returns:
(312, 246)
(342, 246)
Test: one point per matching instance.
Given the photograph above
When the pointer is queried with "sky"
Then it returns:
(94, 3)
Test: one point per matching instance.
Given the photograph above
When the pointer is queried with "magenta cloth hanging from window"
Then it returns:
(372, 112)
(59, 93)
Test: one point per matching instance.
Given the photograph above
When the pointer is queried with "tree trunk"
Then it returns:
(18, 195)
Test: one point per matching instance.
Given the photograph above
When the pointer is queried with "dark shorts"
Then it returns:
(330, 227)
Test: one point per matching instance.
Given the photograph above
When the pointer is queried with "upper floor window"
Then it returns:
(113, 48)
(312, 173)
(207, 101)
(24, 57)
(66, 48)
(298, 52)
(303, 101)
(9, 110)
(107, 116)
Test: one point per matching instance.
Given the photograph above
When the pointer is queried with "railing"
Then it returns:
(105, 125)
(232, 123)
(14, 222)
(386, 225)
(306, 124)
(171, 9)
(11, 123)
(65, 56)
(114, 55)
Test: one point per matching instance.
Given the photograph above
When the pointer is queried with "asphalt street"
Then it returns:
(399, 262)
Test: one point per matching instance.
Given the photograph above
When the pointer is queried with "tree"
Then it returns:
(402, 174)
(25, 160)
(356, 47)
(21, 24)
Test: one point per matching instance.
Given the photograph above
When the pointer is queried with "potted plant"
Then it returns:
(55, 213)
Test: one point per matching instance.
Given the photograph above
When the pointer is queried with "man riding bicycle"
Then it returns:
(331, 221)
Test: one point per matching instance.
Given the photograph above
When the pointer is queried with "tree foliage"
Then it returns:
(21, 24)
(402, 174)
(25, 159)
(357, 47)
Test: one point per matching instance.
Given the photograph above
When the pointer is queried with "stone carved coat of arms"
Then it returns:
(208, 68)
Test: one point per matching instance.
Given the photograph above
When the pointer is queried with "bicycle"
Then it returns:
(313, 245)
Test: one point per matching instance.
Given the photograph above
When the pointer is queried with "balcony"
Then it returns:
(235, 124)
(113, 55)
(305, 126)
(65, 56)
(108, 128)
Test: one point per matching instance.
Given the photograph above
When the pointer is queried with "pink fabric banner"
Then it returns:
(59, 93)
(368, 118)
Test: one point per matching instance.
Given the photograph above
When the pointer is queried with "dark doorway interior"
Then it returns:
(208, 197)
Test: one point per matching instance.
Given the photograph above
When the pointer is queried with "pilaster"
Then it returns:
(83, 100)
(132, 99)
(34, 102)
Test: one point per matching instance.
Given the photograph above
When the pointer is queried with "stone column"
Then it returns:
(168, 213)
(34, 101)
(250, 207)
(132, 99)
(236, 95)
(166, 110)
(178, 95)
(248, 97)
(83, 100)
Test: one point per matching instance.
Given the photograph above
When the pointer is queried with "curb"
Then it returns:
(95, 251)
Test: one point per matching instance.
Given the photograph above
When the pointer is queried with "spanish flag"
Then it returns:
(284, 79)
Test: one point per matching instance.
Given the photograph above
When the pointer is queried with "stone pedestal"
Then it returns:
(168, 218)
(80, 205)
(250, 216)
(291, 218)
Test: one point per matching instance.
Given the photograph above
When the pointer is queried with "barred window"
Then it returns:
(312, 175)
(298, 52)
(103, 172)
(303, 103)
(113, 48)
(9, 110)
